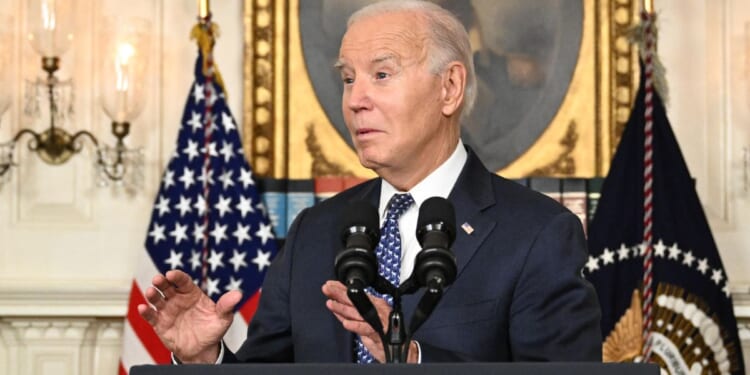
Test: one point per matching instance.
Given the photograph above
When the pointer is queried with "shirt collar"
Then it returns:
(439, 183)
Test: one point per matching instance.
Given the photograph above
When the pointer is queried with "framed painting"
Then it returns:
(556, 80)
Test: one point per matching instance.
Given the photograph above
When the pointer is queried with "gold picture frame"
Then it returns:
(287, 133)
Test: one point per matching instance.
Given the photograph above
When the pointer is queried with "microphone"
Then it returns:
(435, 266)
(356, 264)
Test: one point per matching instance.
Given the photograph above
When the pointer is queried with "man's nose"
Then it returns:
(359, 96)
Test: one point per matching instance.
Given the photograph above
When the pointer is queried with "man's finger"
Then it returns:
(154, 297)
(226, 303)
(359, 327)
(336, 291)
(340, 318)
(375, 347)
(148, 313)
(181, 281)
(356, 326)
(347, 311)
(383, 309)
(379, 303)
(164, 286)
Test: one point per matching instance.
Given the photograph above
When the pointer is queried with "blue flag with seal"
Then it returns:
(694, 330)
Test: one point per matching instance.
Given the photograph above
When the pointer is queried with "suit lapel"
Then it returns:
(470, 196)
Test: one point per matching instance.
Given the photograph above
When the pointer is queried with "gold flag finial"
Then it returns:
(205, 33)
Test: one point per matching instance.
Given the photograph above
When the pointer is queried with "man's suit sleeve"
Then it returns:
(269, 336)
(554, 312)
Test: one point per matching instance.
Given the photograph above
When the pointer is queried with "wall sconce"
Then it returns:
(122, 72)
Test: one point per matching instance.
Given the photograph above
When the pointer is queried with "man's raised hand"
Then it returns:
(186, 320)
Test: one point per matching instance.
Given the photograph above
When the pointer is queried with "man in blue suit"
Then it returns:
(408, 79)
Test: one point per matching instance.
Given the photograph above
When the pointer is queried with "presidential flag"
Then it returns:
(693, 329)
(208, 219)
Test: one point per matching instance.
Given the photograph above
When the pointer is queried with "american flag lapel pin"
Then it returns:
(467, 228)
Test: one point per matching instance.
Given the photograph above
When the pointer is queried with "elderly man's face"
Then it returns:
(391, 102)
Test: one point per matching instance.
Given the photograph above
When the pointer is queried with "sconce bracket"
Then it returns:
(120, 129)
(54, 146)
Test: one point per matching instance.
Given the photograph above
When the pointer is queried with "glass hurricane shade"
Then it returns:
(50, 26)
(6, 57)
(122, 72)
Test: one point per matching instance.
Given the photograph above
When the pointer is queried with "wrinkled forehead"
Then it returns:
(399, 34)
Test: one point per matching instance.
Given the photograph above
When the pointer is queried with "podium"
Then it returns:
(540, 368)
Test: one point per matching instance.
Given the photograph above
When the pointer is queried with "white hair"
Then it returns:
(448, 39)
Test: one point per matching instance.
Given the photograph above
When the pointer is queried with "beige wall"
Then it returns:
(705, 46)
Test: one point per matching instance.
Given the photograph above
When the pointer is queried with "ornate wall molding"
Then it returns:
(69, 301)
(66, 346)
(321, 166)
(624, 60)
(565, 164)
(260, 105)
(741, 300)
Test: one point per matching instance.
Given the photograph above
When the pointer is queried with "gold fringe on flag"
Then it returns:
(205, 35)
(637, 35)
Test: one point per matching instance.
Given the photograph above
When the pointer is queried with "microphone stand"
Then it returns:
(398, 336)
(396, 341)
(355, 290)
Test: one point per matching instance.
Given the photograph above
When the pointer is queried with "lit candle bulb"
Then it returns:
(49, 23)
(124, 52)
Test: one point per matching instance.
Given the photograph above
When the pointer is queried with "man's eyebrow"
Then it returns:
(383, 58)
(340, 64)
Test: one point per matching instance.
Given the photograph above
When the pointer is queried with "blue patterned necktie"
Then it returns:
(389, 257)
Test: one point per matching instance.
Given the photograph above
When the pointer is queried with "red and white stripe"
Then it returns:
(648, 179)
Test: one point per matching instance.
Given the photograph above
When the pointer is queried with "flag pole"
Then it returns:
(648, 17)
(203, 33)
(204, 9)
(648, 6)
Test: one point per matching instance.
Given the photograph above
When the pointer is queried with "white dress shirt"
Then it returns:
(439, 183)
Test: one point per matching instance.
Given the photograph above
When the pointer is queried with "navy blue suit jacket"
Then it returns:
(519, 294)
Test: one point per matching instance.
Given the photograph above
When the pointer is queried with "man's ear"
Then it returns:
(453, 87)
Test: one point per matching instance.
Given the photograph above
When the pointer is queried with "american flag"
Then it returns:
(208, 220)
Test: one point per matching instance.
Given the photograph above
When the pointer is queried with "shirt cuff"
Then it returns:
(419, 352)
(176, 361)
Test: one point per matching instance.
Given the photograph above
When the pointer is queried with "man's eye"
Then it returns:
(347, 80)
(381, 75)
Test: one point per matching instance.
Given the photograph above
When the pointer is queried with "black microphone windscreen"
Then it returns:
(436, 210)
(359, 214)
